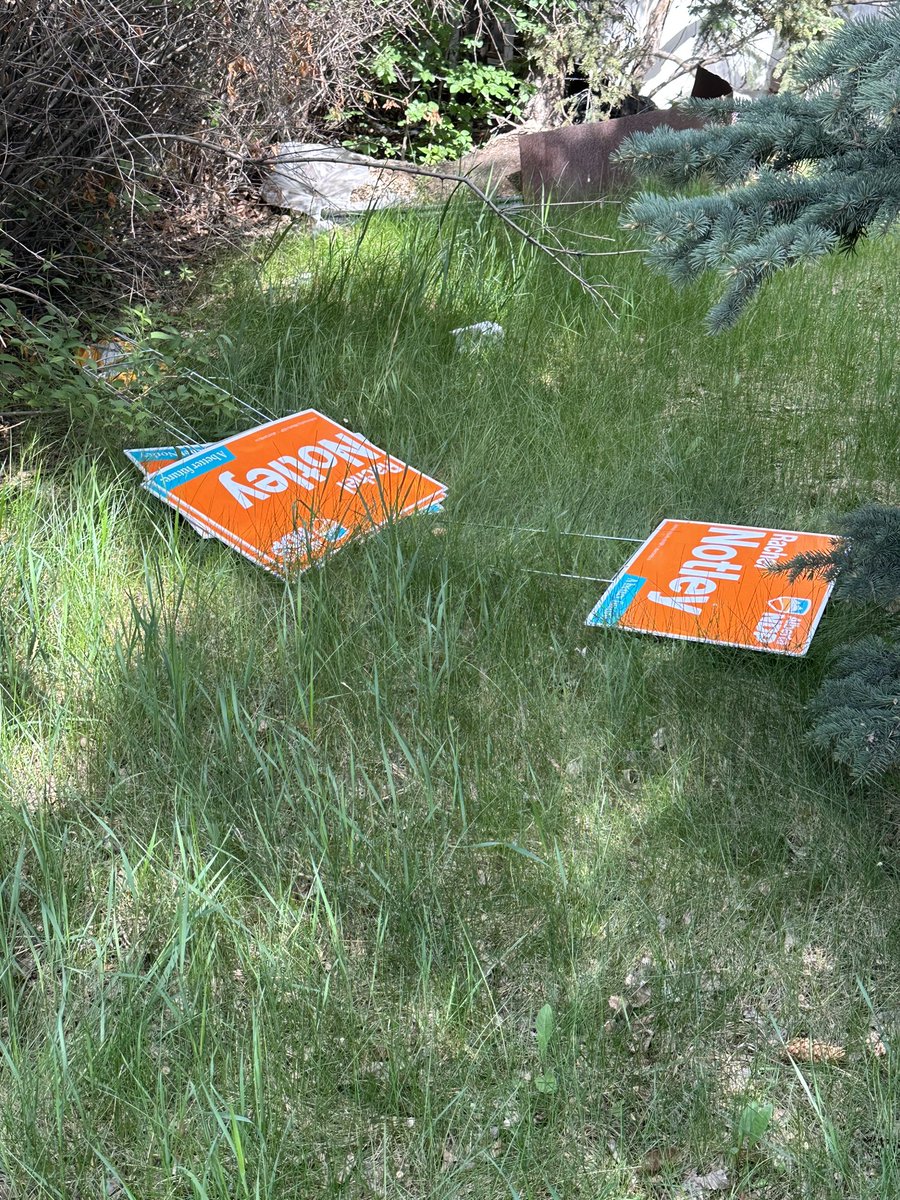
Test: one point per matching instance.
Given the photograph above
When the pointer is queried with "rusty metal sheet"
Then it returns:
(573, 163)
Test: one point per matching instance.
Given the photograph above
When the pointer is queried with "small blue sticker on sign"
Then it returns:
(615, 601)
(171, 477)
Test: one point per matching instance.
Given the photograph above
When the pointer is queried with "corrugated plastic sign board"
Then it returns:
(715, 583)
(288, 493)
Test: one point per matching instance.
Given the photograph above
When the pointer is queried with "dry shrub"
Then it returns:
(129, 126)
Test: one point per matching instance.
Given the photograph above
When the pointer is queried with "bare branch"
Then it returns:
(557, 253)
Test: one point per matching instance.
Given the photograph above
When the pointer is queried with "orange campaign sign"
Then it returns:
(288, 493)
(715, 583)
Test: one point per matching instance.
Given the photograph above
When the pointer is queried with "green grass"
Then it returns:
(289, 872)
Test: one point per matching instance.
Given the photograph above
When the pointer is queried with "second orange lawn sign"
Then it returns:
(289, 492)
(715, 583)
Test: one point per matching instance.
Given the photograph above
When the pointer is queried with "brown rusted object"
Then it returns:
(574, 163)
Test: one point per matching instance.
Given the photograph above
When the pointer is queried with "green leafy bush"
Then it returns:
(446, 96)
(43, 367)
(442, 84)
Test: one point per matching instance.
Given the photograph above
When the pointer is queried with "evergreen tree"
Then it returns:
(856, 713)
(864, 561)
(801, 174)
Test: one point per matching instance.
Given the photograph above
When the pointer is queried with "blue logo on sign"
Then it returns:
(790, 604)
(172, 477)
(615, 600)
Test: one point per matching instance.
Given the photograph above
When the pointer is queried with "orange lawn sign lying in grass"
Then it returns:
(716, 583)
(288, 493)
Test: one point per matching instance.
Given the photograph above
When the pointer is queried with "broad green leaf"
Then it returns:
(544, 1026)
(753, 1123)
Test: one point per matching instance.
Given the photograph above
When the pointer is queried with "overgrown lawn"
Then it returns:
(289, 872)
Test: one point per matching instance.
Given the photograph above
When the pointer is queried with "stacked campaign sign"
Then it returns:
(289, 492)
(717, 583)
(153, 458)
(149, 459)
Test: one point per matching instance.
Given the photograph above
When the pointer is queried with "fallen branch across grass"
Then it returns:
(558, 253)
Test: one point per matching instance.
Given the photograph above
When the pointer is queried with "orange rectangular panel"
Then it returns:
(289, 492)
(714, 583)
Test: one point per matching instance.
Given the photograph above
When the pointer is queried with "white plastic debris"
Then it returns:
(472, 337)
(312, 178)
(290, 282)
